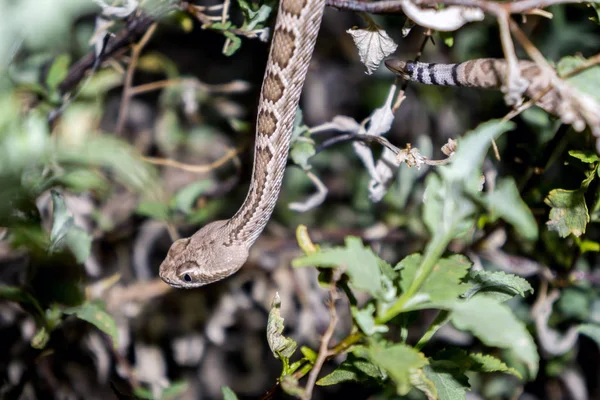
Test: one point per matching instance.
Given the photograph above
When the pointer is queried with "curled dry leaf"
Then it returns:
(374, 44)
(447, 19)
(281, 346)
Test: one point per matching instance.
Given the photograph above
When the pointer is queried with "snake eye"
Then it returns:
(187, 278)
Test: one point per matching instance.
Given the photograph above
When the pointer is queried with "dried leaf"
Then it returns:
(446, 19)
(374, 44)
(281, 346)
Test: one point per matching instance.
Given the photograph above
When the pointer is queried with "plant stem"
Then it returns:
(434, 251)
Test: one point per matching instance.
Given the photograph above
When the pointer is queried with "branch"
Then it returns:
(324, 352)
(491, 7)
(135, 28)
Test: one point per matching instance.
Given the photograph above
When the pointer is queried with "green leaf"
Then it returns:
(590, 330)
(40, 339)
(282, 347)
(174, 390)
(586, 81)
(574, 303)
(228, 394)
(19, 295)
(115, 154)
(505, 202)
(495, 325)
(65, 233)
(473, 147)
(449, 196)
(366, 321)
(353, 369)
(95, 315)
(498, 285)
(359, 262)
(58, 71)
(450, 384)
(448, 38)
(444, 282)
(153, 209)
(234, 44)
(475, 361)
(569, 213)
(399, 361)
(302, 151)
(82, 180)
(185, 198)
(588, 157)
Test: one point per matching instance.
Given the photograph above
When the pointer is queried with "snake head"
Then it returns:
(204, 258)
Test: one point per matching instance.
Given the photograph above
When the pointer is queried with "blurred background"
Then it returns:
(99, 174)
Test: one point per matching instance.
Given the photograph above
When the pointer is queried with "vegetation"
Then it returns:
(456, 255)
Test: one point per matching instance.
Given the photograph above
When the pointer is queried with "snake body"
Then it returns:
(486, 73)
(220, 248)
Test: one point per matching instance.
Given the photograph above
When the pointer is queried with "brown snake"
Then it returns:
(220, 248)
(486, 73)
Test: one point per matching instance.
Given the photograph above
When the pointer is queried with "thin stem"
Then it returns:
(137, 50)
(324, 347)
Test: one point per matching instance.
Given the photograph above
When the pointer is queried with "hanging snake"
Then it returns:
(220, 248)
(486, 73)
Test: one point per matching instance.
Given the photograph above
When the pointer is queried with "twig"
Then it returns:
(324, 347)
(135, 55)
(199, 169)
(135, 28)
(491, 7)
(231, 87)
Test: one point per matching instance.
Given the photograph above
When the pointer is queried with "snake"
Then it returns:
(220, 248)
(485, 73)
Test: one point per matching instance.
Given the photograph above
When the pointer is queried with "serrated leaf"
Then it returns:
(505, 202)
(359, 262)
(569, 213)
(475, 361)
(95, 315)
(450, 384)
(281, 346)
(228, 394)
(65, 233)
(587, 157)
(399, 361)
(421, 381)
(353, 369)
(444, 282)
(365, 319)
(495, 325)
(498, 285)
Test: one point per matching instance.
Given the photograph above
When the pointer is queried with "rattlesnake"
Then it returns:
(220, 248)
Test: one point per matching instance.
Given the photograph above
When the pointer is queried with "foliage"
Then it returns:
(473, 273)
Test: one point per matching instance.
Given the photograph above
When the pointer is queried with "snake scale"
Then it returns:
(488, 73)
(220, 248)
